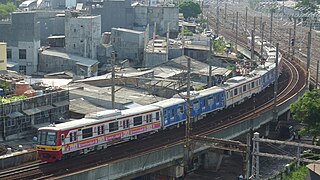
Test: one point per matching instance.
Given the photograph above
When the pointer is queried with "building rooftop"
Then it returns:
(157, 46)
(124, 95)
(82, 106)
(315, 167)
(79, 59)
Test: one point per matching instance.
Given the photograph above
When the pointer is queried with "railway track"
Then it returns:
(212, 123)
(291, 81)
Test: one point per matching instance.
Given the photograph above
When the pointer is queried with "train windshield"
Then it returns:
(47, 138)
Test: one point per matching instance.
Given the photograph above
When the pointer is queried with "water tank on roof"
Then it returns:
(22, 87)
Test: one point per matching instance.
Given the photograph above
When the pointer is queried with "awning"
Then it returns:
(45, 108)
(14, 115)
(61, 103)
(32, 111)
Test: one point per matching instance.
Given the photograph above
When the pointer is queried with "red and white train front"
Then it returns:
(49, 147)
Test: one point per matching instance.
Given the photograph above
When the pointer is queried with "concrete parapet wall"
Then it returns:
(17, 158)
(132, 167)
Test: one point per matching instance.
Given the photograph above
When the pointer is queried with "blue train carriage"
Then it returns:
(239, 88)
(173, 112)
(266, 72)
(208, 100)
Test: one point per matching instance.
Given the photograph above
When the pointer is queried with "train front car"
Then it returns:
(49, 147)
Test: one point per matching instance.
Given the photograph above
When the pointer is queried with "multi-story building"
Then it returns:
(23, 117)
(82, 34)
(163, 16)
(3, 56)
(116, 13)
(123, 14)
(128, 44)
(22, 34)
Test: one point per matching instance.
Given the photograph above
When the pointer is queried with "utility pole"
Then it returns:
(271, 27)
(294, 35)
(308, 58)
(248, 153)
(275, 90)
(252, 47)
(237, 16)
(210, 67)
(262, 36)
(232, 20)
(113, 58)
(225, 14)
(317, 76)
(188, 123)
(289, 46)
(246, 18)
(254, 25)
(261, 23)
(217, 22)
(255, 158)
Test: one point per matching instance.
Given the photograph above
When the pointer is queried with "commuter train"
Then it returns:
(102, 129)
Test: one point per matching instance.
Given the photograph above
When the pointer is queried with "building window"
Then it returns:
(9, 53)
(22, 54)
(22, 69)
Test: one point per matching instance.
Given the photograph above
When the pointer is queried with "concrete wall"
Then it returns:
(50, 24)
(153, 59)
(17, 158)
(3, 56)
(83, 35)
(23, 32)
(162, 15)
(128, 44)
(116, 13)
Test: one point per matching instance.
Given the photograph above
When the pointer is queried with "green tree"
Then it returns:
(307, 111)
(219, 45)
(6, 9)
(189, 9)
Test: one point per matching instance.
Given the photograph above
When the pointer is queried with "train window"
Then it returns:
(100, 130)
(137, 120)
(114, 126)
(244, 88)
(180, 109)
(149, 118)
(210, 100)
(231, 94)
(71, 137)
(236, 91)
(47, 138)
(252, 84)
(157, 116)
(259, 82)
(205, 102)
(125, 123)
(173, 113)
(227, 95)
(86, 133)
(165, 114)
(196, 105)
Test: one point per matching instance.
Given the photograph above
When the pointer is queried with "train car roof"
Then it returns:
(100, 117)
(169, 102)
(211, 90)
(236, 82)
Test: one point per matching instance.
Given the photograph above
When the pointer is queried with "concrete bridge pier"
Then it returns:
(213, 160)
(173, 172)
